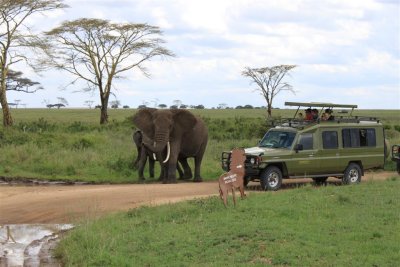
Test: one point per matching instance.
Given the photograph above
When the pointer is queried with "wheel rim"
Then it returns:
(273, 179)
(353, 174)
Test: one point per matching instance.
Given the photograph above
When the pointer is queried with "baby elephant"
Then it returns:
(234, 178)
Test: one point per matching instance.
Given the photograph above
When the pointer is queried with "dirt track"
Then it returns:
(70, 204)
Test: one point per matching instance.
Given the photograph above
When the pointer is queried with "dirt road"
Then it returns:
(71, 204)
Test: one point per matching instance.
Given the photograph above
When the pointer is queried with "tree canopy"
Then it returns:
(270, 81)
(98, 52)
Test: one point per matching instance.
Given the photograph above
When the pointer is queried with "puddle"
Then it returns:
(29, 244)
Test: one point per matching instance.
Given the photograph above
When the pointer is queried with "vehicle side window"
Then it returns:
(330, 139)
(358, 137)
(306, 140)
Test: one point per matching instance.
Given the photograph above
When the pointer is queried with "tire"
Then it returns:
(271, 178)
(352, 174)
(320, 180)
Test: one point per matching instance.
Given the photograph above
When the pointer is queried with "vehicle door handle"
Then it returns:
(312, 155)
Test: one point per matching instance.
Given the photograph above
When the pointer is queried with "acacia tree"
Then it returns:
(270, 81)
(16, 82)
(98, 51)
(15, 38)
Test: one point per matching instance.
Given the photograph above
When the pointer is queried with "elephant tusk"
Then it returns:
(168, 153)
(154, 154)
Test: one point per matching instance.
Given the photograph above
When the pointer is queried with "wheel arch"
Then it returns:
(281, 166)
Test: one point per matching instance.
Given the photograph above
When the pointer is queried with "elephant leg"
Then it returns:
(163, 173)
(137, 139)
(151, 167)
(187, 172)
(135, 163)
(197, 163)
(142, 163)
(171, 177)
(180, 171)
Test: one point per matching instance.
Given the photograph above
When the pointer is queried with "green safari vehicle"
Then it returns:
(342, 147)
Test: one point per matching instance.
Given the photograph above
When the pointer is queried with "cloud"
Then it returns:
(340, 47)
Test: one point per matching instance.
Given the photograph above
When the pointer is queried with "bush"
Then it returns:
(83, 144)
(38, 126)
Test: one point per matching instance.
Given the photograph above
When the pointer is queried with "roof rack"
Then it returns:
(301, 124)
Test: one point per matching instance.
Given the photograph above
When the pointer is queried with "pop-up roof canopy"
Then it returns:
(319, 104)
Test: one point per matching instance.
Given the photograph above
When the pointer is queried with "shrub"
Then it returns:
(77, 126)
(83, 144)
(38, 126)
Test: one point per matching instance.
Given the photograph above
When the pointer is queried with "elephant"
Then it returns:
(178, 130)
(143, 153)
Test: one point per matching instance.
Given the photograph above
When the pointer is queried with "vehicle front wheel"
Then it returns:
(271, 178)
(352, 174)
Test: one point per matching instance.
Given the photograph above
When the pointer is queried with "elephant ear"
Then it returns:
(143, 120)
(184, 119)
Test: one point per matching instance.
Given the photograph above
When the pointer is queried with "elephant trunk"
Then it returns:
(160, 141)
(168, 154)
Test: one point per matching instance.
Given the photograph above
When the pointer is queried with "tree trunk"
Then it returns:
(269, 112)
(103, 115)
(7, 119)
(103, 110)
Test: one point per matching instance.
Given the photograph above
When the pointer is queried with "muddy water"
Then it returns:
(29, 244)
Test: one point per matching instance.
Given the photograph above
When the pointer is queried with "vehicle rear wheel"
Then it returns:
(320, 180)
(352, 174)
(271, 178)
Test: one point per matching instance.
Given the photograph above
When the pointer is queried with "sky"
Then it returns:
(346, 52)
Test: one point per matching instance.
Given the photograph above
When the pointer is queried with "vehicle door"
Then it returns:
(329, 154)
(304, 162)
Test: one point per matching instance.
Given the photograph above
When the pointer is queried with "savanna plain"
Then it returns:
(307, 226)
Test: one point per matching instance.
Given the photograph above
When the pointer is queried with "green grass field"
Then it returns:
(69, 144)
(326, 226)
(309, 226)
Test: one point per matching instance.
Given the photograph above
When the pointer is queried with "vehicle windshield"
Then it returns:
(277, 139)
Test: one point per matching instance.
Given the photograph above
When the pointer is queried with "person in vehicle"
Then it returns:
(309, 116)
(314, 113)
(300, 116)
(328, 115)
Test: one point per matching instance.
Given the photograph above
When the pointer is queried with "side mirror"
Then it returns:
(298, 147)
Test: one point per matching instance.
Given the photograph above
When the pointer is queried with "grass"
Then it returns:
(69, 144)
(325, 226)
